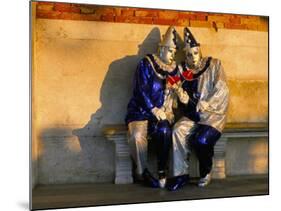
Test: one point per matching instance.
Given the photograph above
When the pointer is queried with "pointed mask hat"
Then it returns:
(189, 40)
(170, 38)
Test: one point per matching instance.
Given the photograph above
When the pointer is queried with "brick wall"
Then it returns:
(67, 11)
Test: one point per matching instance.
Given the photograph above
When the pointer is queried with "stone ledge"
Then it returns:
(123, 164)
(232, 127)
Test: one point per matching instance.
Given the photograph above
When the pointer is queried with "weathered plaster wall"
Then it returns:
(83, 77)
(34, 141)
(249, 157)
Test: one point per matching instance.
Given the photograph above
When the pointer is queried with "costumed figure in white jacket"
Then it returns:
(204, 115)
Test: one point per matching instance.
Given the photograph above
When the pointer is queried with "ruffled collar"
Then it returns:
(161, 69)
(166, 67)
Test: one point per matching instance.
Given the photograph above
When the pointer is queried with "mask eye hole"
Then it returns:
(189, 55)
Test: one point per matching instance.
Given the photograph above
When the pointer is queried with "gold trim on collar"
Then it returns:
(163, 66)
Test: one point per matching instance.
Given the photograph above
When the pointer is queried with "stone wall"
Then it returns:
(82, 79)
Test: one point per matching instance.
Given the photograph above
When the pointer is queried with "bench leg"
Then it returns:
(218, 171)
(123, 163)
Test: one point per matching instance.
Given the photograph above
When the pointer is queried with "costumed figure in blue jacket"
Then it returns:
(149, 112)
(204, 115)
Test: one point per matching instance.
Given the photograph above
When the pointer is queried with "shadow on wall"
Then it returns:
(82, 154)
(117, 89)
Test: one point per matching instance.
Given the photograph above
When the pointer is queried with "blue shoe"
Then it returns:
(149, 180)
(178, 182)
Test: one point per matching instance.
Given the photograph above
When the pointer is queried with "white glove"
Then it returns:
(159, 113)
(170, 117)
(183, 96)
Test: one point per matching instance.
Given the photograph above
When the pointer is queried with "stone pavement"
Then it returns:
(82, 195)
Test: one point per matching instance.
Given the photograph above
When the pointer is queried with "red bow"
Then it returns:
(187, 74)
(173, 79)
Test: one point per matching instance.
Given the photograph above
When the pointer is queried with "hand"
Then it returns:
(176, 86)
(183, 96)
(170, 117)
(159, 113)
(203, 105)
(173, 81)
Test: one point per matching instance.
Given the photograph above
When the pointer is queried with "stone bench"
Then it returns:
(123, 163)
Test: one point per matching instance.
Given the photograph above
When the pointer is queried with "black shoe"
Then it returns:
(178, 182)
(149, 180)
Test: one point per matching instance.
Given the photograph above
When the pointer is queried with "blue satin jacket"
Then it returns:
(148, 91)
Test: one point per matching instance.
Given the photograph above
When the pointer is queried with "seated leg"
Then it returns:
(181, 131)
(137, 140)
(163, 137)
(203, 141)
